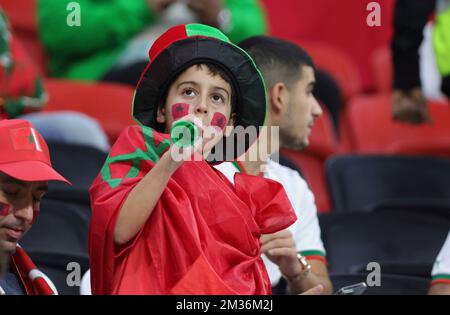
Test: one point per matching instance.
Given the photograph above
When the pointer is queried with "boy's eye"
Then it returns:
(218, 98)
(189, 92)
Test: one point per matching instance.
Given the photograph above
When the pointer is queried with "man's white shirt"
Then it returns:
(306, 230)
(441, 267)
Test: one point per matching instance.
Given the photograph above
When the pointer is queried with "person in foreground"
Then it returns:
(25, 170)
(164, 220)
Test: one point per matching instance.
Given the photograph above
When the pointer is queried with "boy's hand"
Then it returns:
(281, 249)
(180, 154)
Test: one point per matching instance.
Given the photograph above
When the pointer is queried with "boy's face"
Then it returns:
(197, 92)
(19, 207)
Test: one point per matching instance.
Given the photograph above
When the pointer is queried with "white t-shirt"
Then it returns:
(441, 267)
(306, 230)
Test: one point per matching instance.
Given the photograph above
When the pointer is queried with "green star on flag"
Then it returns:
(25, 139)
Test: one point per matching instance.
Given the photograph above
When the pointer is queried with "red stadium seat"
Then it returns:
(432, 147)
(311, 160)
(337, 63)
(381, 64)
(367, 127)
(109, 104)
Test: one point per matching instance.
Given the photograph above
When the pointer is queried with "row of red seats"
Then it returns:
(366, 126)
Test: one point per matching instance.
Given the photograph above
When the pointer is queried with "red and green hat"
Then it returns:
(185, 45)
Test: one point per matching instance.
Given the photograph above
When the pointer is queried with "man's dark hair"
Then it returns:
(277, 59)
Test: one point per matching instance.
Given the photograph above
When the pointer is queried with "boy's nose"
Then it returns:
(201, 107)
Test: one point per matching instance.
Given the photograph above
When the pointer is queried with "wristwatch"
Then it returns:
(306, 268)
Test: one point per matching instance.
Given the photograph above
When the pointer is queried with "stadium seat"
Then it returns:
(62, 269)
(381, 64)
(359, 182)
(431, 147)
(337, 63)
(60, 228)
(80, 165)
(392, 239)
(390, 284)
(108, 103)
(428, 206)
(367, 127)
(311, 160)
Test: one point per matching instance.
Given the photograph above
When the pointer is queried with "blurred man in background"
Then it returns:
(114, 37)
(410, 17)
(22, 95)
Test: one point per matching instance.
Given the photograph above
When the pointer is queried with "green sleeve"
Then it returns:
(247, 19)
(104, 24)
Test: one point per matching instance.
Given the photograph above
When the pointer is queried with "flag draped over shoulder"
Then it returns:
(202, 236)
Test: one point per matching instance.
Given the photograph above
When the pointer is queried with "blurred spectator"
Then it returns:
(441, 271)
(103, 40)
(297, 253)
(22, 95)
(25, 169)
(410, 18)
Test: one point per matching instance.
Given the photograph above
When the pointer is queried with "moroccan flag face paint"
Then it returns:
(219, 120)
(179, 110)
(4, 209)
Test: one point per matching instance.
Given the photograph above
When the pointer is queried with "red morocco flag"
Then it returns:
(25, 139)
(203, 236)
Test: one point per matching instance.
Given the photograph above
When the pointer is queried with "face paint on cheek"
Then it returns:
(179, 110)
(4, 209)
(219, 120)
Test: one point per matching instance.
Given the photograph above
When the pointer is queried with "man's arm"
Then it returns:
(104, 24)
(440, 289)
(281, 249)
(317, 275)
